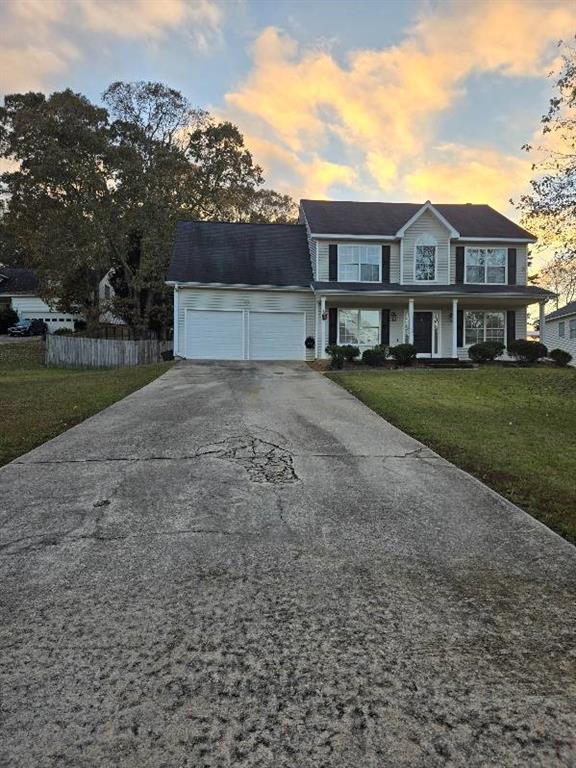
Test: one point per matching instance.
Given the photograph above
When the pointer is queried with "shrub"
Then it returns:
(485, 351)
(404, 354)
(560, 357)
(350, 352)
(64, 332)
(336, 356)
(375, 356)
(309, 342)
(527, 351)
(8, 318)
(80, 325)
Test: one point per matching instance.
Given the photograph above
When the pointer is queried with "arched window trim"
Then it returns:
(426, 239)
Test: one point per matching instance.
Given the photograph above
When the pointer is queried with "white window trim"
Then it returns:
(572, 328)
(479, 248)
(561, 327)
(358, 280)
(416, 244)
(483, 311)
(358, 309)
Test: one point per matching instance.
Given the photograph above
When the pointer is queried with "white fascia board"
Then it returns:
(419, 295)
(465, 239)
(236, 286)
(428, 207)
(322, 236)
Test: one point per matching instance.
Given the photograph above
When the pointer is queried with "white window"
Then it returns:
(561, 329)
(425, 258)
(359, 263)
(483, 326)
(572, 326)
(486, 265)
(360, 327)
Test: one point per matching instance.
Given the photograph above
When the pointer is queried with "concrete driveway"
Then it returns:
(241, 565)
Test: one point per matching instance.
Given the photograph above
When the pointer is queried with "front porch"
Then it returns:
(439, 327)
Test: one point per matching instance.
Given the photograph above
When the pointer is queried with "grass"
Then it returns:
(513, 428)
(38, 403)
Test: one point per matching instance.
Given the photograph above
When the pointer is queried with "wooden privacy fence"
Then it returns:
(83, 352)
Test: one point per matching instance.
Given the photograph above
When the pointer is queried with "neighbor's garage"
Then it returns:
(244, 335)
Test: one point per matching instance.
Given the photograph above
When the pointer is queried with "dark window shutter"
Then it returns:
(332, 325)
(333, 262)
(460, 328)
(385, 333)
(385, 263)
(511, 266)
(510, 326)
(459, 263)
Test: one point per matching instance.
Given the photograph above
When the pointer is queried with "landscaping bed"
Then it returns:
(38, 403)
(513, 428)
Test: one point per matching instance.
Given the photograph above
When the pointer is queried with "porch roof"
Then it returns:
(530, 292)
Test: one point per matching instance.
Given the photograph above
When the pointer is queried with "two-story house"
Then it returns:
(441, 277)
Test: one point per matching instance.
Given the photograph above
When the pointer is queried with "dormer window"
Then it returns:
(359, 263)
(425, 258)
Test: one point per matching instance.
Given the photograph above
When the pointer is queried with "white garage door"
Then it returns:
(214, 335)
(276, 335)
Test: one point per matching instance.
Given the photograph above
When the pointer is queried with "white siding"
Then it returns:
(33, 308)
(427, 224)
(521, 257)
(554, 341)
(251, 300)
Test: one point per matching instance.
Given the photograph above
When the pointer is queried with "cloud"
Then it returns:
(380, 108)
(41, 39)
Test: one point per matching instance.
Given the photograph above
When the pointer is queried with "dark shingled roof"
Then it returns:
(338, 217)
(567, 309)
(517, 290)
(14, 280)
(248, 254)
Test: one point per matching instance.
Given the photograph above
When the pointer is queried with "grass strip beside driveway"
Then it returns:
(38, 403)
(513, 428)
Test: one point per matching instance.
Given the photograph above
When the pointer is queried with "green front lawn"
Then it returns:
(514, 428)
(37, 403)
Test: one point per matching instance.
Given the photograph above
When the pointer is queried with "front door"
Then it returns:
(423, 332)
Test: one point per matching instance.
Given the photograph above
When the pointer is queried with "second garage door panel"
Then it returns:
(276, 335)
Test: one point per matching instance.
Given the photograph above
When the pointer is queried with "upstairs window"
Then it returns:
(486, 265)
(425, 258)
(572, 326)
(561, 327)
(359, 263)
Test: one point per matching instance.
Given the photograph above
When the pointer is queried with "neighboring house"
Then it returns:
(442, 277)
(560, 330)
(19, 289)
(105, 295)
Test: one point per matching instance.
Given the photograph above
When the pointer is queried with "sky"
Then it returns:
(397, 100)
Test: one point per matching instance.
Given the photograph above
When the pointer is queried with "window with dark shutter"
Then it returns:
(332, 326)
(385, 333)
(511, 266)
(460, 327)
(510, 327)
(459, 263)
(333, 262)
(385, 263)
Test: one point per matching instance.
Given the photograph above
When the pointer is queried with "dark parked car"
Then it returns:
(28, 328)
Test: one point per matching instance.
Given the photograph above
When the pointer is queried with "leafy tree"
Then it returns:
(550, 207)
(98, 191)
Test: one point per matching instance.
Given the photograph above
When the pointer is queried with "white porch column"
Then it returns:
(410, 321)
(323, 326)
(542, 321)
(176, 335)
(454, 327)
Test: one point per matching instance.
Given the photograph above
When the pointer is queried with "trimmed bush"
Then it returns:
(404, 354)
(527, 351)
(80, 325)
(375, 356)
(64, 332)
(336, 356)
(350, 352)
(485, 351)
(560, 357)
